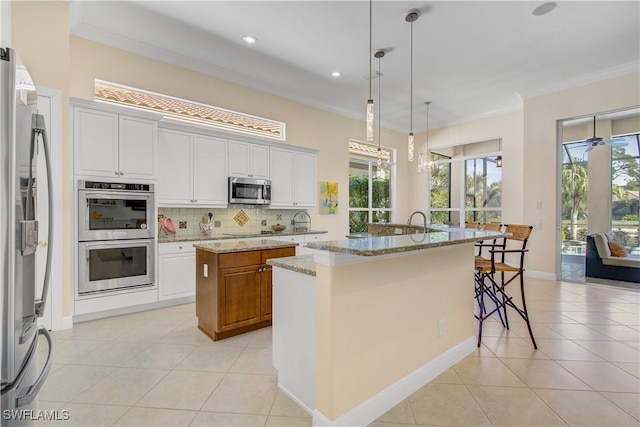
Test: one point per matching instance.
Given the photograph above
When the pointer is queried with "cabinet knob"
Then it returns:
(115, 172)
(195, 201)
(179, 247)
(121, 173)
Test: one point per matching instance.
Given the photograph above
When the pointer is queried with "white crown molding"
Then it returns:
(606, 74)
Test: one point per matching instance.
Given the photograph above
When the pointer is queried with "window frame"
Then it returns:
(371, 164)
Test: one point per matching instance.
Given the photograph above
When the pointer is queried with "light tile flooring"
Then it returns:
(156, 368)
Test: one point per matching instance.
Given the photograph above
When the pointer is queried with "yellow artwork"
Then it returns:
(328, 197)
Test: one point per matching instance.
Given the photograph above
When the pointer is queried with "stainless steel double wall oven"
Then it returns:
(116, 230)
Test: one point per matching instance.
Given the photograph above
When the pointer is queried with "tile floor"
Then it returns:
(155, 368)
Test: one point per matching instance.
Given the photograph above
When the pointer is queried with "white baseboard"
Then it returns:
(540, 275)
(64, 323)
(295, 399)
(372, 408)
(131, 309)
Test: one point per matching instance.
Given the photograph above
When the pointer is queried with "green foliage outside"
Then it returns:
(359, 198)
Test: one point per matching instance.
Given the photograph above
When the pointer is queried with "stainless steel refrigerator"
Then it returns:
(22, 140)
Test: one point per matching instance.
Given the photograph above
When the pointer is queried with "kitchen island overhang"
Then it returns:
(391, 313)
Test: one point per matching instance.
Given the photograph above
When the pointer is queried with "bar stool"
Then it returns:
(489, 283)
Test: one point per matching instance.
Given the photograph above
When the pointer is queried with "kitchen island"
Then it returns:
(369, 321)
(233, 285)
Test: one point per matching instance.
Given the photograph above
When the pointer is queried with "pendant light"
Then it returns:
(424, 160)
(411, 18)
(370, 107)
(379, 54)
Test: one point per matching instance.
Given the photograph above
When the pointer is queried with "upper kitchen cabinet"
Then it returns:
(293, 179)
(192, 169)
(248, 160)
(114, 145)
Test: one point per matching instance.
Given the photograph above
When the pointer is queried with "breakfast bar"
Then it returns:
(366, 322)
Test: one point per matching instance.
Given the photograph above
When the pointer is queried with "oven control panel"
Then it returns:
(97, 185)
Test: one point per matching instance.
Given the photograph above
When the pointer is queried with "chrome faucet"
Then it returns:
(424, 217)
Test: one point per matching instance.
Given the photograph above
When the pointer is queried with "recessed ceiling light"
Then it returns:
(544, 8)
(336, 74)
(249, 39)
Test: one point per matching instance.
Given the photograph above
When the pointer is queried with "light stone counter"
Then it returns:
(229, 236)
(244, 246)
(300, 264)
(386, 245)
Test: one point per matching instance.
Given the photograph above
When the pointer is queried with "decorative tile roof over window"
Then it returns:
(367, 150)
(189, 111)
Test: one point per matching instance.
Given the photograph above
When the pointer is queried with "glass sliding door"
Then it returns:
(625, 185)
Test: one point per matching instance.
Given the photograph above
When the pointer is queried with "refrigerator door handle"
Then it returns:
(38, 128)
(27, 397)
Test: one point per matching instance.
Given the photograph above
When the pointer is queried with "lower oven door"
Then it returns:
(115, 265)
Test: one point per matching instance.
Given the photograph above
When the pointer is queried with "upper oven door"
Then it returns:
(109, 215)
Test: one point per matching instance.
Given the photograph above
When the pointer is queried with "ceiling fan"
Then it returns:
(594, 141)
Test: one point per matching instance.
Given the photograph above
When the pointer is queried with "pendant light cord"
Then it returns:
(411, 85)
(370, 42)
(379, 102)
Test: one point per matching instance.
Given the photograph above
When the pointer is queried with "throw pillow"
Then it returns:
(617, 249)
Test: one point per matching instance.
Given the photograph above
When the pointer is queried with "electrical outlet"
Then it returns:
(397, 230)
(537, 225)
(441, 327)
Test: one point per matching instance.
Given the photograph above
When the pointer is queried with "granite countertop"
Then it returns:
(385, 245)
(300, 264)
(227, 236)
(243, 246)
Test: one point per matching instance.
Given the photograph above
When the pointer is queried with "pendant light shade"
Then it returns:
(370, 106)
(499, 161)
(424, 160)
(411, 18)
(379, 54)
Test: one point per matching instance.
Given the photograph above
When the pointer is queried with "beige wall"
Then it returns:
(377, 321)
(40, 34)
(507, 127)
(541, 152)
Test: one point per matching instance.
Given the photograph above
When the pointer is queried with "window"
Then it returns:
(625, 185)
(370, 189)
(483, 190)
(440, 189)
(189, 111)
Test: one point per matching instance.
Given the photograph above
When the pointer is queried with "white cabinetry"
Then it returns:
(248, 160)
(193, 169)
(114, 145)
(177, 270)
(293, 179)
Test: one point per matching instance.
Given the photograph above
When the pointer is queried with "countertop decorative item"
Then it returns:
(278, 227)
(206, 225)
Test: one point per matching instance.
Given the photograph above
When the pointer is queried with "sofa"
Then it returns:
(601, 264)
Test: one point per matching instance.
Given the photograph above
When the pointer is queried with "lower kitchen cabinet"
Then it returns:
(233, 291)
(176, 272)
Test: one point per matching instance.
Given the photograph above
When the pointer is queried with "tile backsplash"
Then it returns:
(255, 219)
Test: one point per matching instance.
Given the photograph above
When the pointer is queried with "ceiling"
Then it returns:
(471, 59)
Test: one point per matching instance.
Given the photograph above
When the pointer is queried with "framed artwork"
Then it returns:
(328, 197)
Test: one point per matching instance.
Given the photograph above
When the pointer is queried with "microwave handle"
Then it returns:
(266, 192)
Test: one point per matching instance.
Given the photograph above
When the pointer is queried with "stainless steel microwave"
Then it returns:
(249, 191)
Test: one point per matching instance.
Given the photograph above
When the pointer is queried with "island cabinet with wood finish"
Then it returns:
(233, 290)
